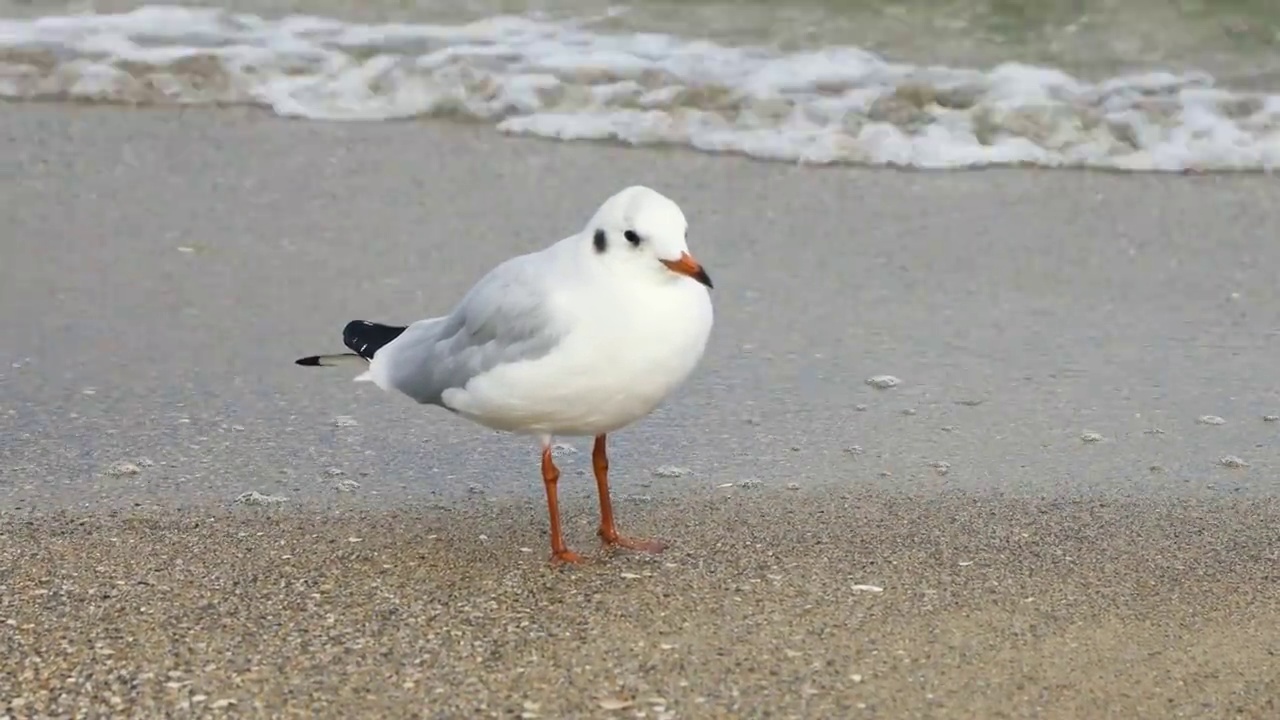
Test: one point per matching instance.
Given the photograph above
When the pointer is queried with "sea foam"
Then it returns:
(560, 80)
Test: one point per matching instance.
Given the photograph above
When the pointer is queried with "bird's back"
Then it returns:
(506, 317)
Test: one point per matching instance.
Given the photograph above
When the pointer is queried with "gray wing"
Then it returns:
(504, 318)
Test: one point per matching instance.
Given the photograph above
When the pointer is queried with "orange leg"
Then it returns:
(560, 553)
(608, 532)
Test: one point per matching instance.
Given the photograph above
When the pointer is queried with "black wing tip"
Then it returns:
(312, 361)
(366, 338)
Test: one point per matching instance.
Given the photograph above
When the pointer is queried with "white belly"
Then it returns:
(616, 367)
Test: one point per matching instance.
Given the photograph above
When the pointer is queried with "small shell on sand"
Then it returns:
(1232, 461)
(867, 588)
(343, 421)
(1210, 420)
(1090, 436)
(942, 467)
(122, 468)
(253, 497)
(671, 471)
(883, 382)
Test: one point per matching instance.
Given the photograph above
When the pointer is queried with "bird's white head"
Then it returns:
(642, 231)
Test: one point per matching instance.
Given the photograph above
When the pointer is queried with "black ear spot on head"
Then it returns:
(632, 237)
(599, 241)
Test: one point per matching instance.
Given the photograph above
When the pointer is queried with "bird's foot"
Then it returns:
(566, 557)
(645, 545)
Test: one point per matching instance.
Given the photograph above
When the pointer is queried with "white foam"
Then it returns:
(558, 80)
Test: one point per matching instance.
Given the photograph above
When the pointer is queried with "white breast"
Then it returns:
(625, 354)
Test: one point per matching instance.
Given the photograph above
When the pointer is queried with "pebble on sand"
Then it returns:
(563, 449)
(671, 471)
(1210, 420)
(253, 497)
(1232, 461)
(1271, 418)
(1090, 436)
(883, 382)
(343, 421)
(122, 468)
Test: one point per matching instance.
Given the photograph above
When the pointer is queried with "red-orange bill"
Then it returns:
(686, 265)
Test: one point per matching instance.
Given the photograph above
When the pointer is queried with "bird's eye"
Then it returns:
(632, 237)
(599, 241)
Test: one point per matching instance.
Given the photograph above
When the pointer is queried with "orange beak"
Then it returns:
(686, 265)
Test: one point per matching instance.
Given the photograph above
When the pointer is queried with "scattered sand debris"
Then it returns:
(563, 449)
(942, 467)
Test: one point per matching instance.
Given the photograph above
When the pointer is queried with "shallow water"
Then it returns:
(1139, 85)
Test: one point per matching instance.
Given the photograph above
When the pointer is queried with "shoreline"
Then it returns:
(1042, 500)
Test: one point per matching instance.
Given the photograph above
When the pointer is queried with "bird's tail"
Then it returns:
(332, 360)
(364, 338)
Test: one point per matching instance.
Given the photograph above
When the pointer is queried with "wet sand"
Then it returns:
(163, 269)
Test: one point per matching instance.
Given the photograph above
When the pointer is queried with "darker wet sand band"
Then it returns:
(766, 606)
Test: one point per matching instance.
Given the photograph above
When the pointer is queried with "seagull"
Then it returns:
(579, 339)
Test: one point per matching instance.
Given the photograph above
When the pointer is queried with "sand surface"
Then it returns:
(1054, 609)
(161, 270)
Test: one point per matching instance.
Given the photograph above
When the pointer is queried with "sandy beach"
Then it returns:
(764, 607)
(1069, 503)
